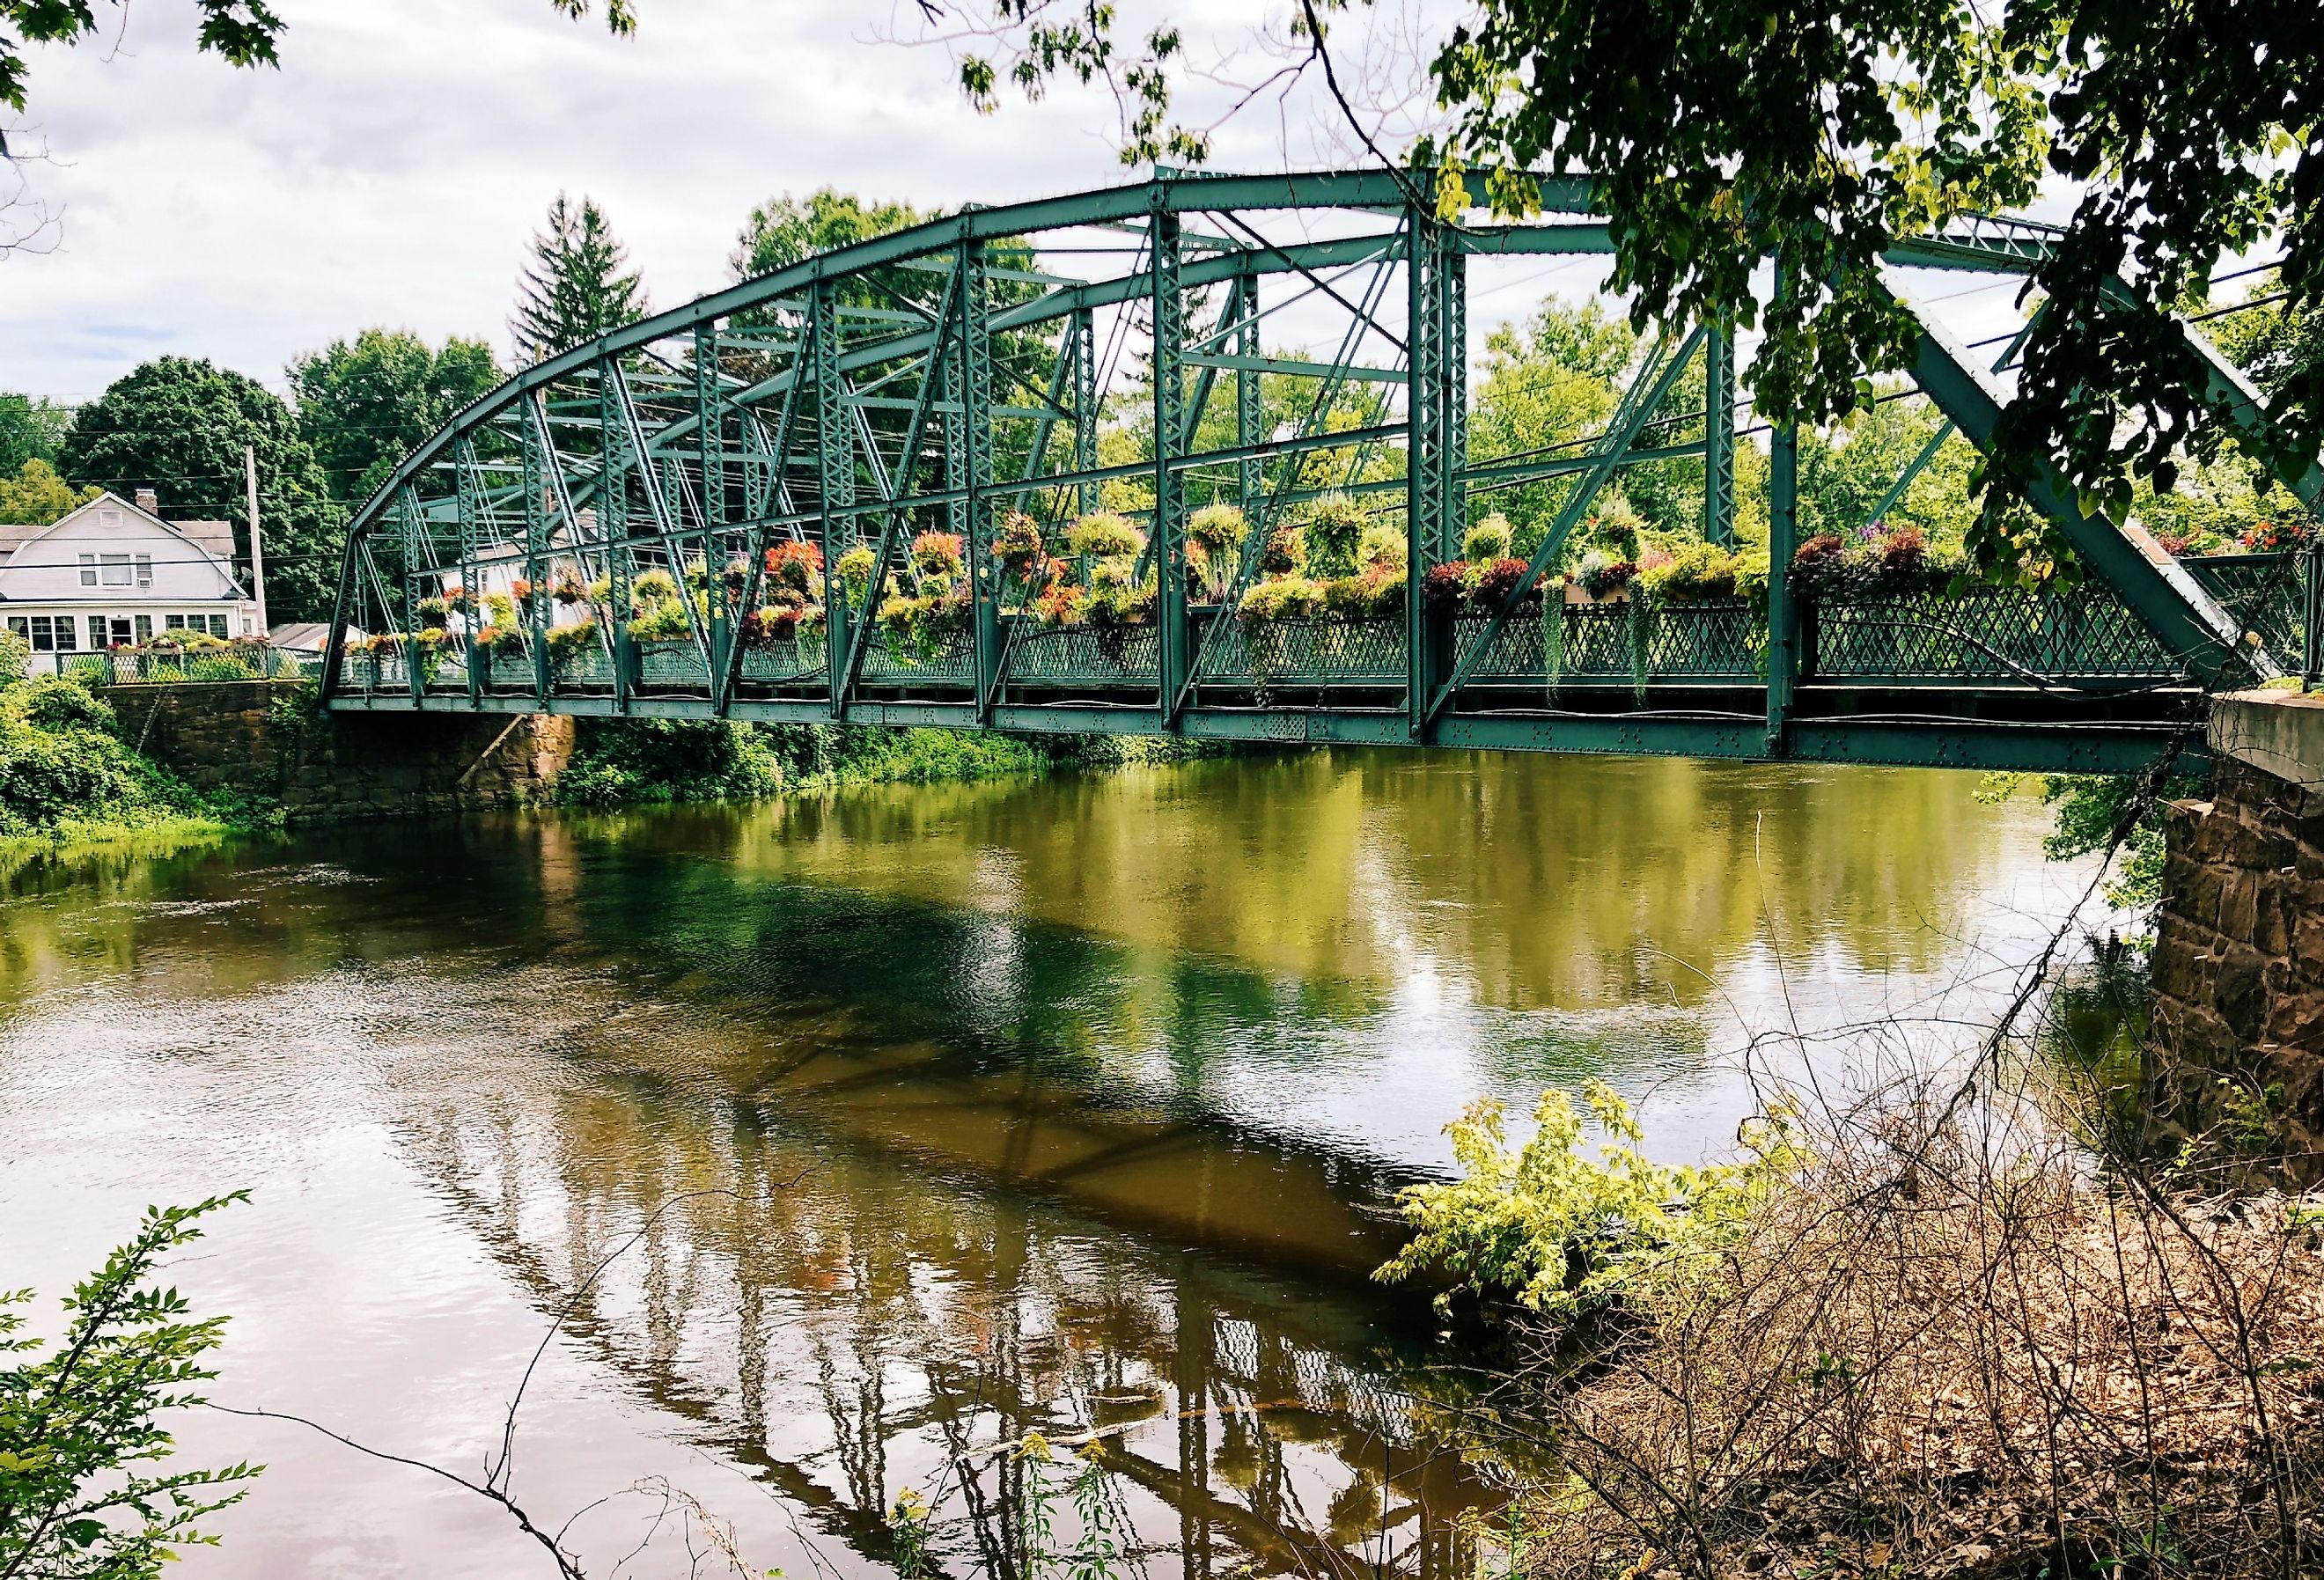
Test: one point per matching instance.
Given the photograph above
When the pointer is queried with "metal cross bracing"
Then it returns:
(844, 490)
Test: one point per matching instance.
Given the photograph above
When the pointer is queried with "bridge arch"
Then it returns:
(789, 467)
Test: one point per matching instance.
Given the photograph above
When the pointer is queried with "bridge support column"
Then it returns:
(1784, 622)
(2239, 963)
(1168, 547)
(835, 455)
(1719, 436)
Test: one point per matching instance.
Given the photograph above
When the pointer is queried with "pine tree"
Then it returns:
(577, 286)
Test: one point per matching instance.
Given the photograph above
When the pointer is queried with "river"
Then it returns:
(908, 1120)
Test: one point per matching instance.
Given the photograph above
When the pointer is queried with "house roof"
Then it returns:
(215, 539)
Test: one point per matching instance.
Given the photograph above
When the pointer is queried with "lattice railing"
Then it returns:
(1309, 652)
(2005, 636)
(588, 668)
(787, 660)
(896, 659)
(671, 665)
(510, 672)
(2266, 592)
(1083, 655)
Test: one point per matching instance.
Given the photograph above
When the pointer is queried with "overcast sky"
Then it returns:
(393, 171)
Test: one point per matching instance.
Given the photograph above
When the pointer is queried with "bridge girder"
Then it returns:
(868, 396)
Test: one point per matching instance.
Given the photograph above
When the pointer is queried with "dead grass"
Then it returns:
(1948, 1355)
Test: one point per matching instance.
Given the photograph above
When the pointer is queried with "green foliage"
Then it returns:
(81, 1427)
(1564, 1230)
(57, 703)
(1102, 534)
(179, 425)
(1488, 540)
(15, 658)
(37, 497)
(30, 430)
(1696, 573)
(645, 759)
(365, 403)
(1844, 475)
(577, 286)
(856, 572)
(1383, 547)
(1332, 526)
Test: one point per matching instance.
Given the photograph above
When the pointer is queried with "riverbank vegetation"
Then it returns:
(619, 762)
(1947, 1332)
(84, 1491)
(66, 776)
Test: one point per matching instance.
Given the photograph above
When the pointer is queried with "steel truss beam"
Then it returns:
(788, 405)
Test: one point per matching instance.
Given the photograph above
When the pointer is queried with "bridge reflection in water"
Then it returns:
(841, 1334)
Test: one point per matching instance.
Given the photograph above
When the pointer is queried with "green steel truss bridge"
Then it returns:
(944, 377)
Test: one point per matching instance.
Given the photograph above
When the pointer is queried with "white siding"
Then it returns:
(115, 538)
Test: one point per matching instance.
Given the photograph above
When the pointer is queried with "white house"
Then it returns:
(113, 573)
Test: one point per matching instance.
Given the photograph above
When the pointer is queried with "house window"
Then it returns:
(44, 636)
(175, 622)
(88, 571)
(115, 569)
(144, 628)
(217, 626)
(96, 634)
(21, 625)
(144, 570)
(117, 631)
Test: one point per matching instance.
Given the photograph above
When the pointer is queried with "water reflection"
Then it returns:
(1073, 1108)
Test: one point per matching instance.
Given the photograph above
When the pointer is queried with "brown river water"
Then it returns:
(916, 1119)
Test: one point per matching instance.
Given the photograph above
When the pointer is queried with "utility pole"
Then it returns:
(257, 555)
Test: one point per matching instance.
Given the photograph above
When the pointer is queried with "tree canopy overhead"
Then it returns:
(1724, 135)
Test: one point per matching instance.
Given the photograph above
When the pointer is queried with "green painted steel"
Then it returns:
(914, 384)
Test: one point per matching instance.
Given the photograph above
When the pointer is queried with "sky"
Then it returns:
(393, 171)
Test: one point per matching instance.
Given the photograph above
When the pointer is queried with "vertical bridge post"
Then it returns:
(1168, 547)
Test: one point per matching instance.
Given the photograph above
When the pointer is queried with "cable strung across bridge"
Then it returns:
(1014, 470)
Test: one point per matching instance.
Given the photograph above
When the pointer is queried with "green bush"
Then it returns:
(1697, 573)
(15, 658)
(1383, 548)
(1219, 528)
(1560, 1229)
(56, 702)
(80, 1428)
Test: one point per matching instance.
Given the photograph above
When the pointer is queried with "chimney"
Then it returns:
(149, 501)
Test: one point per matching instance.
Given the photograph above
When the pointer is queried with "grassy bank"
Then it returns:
(627, 761)
(69, 779)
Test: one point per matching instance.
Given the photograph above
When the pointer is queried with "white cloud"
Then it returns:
(392, 171)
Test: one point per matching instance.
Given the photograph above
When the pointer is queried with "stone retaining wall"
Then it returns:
(2238, 965)
(266, 738)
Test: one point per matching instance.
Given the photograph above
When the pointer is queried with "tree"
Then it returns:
(365, 403)
(575, 288)
(36, 496)
(1844, 475)
(1722, 133)
(30, 430)
(81, 1427)
(178, 426)
(783, 231)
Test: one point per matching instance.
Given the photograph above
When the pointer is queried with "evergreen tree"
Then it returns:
(577, 285)
(178, 426)
(365, 403)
